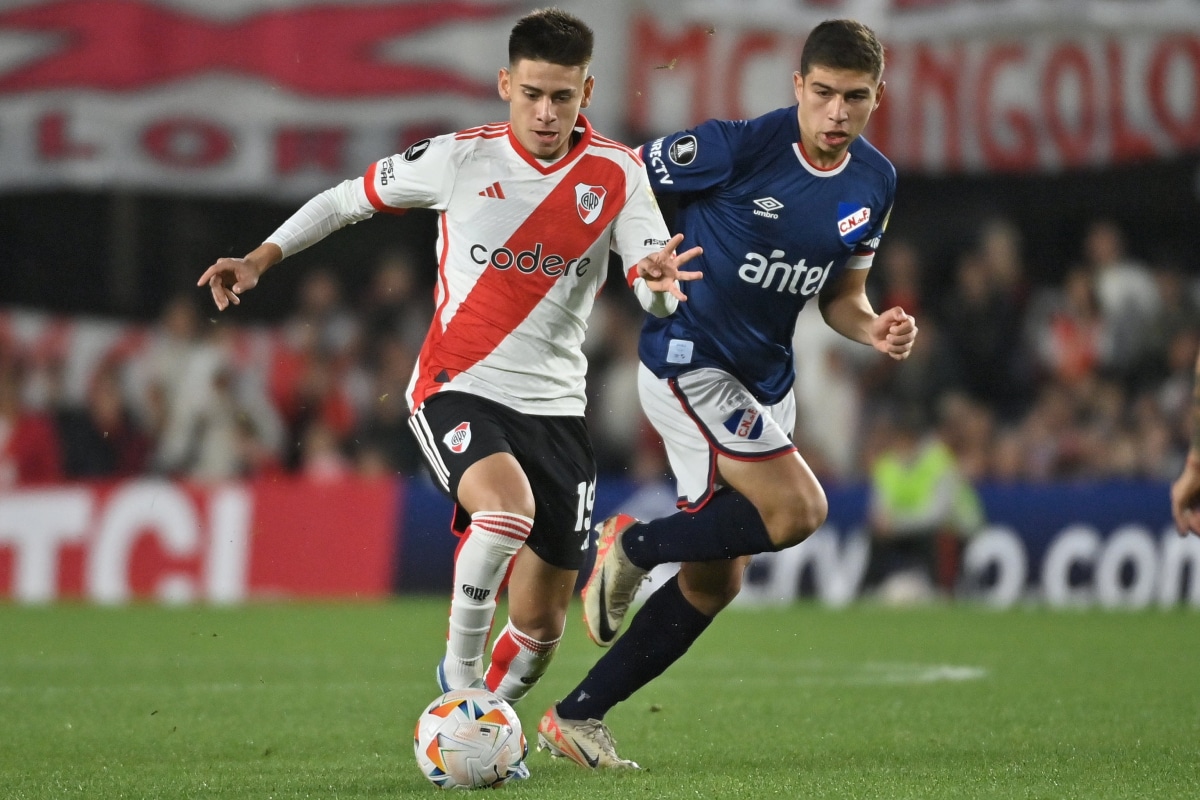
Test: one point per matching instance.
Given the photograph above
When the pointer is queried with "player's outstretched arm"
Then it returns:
(847, 309)
(661, 270)
(231, 277)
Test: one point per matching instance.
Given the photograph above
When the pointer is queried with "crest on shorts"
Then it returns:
(746, 423)
(589, 201)
(459, 439)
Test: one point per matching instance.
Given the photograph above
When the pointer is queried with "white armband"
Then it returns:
(660, 304)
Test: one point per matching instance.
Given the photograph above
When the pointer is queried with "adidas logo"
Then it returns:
(493, 191)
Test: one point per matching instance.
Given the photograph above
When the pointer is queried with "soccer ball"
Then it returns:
(469, 739)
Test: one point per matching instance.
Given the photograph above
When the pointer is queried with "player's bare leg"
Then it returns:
(786, 493)
(538, 596)
(711, 585)
(496, 493)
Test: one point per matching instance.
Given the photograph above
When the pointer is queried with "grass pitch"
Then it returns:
(319, 701)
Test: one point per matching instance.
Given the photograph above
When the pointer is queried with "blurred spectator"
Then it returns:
(321, 455)
(102, 438)
(321, 318)
(394, 307)
(981, 321)
(203, 430)
(154, 378)
(1174, 393)
(614, 412)
(967, 427)
(897, 277)
(256, 457)
(29, 440)
(1000, 249)
(1125, 291)
(920, 507)
(829, 401)
(1073, 339)
(383, 442)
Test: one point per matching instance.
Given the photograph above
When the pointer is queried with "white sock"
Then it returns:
(492, 540)
(518, 662)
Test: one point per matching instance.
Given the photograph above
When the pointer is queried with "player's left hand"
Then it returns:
(893, 332)
(661, 270)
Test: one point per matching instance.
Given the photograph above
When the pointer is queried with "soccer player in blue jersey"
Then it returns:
(787, 207)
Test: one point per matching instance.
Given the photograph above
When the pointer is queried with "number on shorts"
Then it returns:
(583, 515)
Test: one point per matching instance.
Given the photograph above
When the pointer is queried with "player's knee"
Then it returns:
(709, 592)
(542, 624)
(791, 524)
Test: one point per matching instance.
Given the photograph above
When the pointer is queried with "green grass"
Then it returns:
(318, 701)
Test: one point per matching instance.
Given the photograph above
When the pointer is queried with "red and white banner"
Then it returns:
(287, 97)
(238, 95)
(971, 92)
(170, 542)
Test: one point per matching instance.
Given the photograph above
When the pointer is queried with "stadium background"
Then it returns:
(141, 139)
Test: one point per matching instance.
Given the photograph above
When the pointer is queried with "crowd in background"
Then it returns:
(1088, 376)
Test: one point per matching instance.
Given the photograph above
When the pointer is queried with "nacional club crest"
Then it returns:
(852, 219)
(589, 201)
(746, 423)
(459, 439)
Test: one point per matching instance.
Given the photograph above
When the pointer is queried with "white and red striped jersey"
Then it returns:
(523, 248)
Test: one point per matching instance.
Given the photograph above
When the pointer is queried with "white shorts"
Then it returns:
(708, 411)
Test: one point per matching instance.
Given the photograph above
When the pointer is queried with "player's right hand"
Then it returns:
(661, 270)
(227, 279)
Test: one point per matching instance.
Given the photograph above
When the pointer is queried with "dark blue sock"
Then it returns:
(726, 527)
(658, 635)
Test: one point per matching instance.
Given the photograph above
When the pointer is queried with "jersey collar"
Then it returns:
(581, 138)
(820, 172)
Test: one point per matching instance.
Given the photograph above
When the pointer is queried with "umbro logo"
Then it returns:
(493, 191)
(767, 206)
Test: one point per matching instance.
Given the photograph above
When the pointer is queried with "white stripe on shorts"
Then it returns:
(428, 443)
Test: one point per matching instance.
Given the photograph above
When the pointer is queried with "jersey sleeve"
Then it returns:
(420, 177)
(692, 160)
(639, 229)
(865, 250)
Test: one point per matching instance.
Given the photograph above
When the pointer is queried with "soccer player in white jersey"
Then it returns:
(529, 211)
(787, 207)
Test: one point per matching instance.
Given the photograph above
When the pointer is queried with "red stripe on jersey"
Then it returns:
(632, 275)
(369, 187)
(373, 194)
(604, 141)
(585, 140)
(486, 131)
(502, 299)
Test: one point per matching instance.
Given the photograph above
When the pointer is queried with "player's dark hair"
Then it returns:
(553, 36)
(843, 44)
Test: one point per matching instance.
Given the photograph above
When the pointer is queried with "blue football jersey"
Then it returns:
(775, 229)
